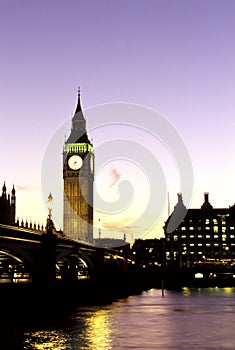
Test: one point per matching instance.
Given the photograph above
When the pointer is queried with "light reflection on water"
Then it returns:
(191, 319)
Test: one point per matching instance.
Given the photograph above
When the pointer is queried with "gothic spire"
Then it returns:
(4, 190)
(79, 109)
(78, 132)
(13, 190)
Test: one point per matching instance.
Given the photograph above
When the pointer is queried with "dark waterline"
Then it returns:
(190, 319)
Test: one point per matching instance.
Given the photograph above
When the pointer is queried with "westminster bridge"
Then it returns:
(50, 265)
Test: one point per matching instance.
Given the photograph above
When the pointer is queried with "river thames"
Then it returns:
(189, 319)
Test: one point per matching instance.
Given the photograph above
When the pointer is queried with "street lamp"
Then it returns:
(50, 224)
(49, 205)
(99, 229)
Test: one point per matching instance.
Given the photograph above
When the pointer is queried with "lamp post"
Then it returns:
(99, 230)
(49, 205)
(50, 224)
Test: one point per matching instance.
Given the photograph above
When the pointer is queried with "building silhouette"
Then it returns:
(7, 206)
(205, 234)
(78, 175)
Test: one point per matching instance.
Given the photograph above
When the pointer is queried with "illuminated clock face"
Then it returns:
(75, 162)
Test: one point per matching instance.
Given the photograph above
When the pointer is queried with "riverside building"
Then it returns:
(204, 235)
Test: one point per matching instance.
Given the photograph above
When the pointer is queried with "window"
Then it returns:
(216, 244)
(216, 236)
(175, 238)
(191, 228)
(208, 228)
(191, 244)
(183, 228)
(208, 244)
(223, 229)
(231, 228)
(215, 228)
(199, 236)
(208, 236)
(191, 236)
(215, 221)
(231, 236)
(207, 221)
(199, 244)
(183, 236)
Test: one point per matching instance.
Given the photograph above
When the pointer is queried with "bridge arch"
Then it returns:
(74, 267)
(14, 269)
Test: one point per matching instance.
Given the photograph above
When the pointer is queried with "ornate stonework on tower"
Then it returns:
(78, 174)
(7, 206)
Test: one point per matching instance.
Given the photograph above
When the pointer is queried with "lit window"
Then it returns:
(223, 222)
(191, 228)
(191, 252)
(199, 228)
(215, 221)
(183, 236)
(199, 236)
(216, 244)
(199, 252)
(231, 228)
(183, 228)
(175, 238)
(208, 228)
(215, 228)
(199, 244)
(207, 221)
(191, 236)
(216, 236)
(208, 244)
(223, 229)
(231, 236)
(208, 236)
(191, 244)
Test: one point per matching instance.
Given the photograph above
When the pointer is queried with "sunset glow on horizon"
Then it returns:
(175, 58)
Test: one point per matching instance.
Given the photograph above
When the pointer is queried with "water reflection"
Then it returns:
(190, 319)
(86, 328)
(98, 331)
(44, 339)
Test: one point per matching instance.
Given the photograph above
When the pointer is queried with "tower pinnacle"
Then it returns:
(79, 109)
(78, 132)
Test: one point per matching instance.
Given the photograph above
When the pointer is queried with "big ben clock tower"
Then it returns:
(78, 174)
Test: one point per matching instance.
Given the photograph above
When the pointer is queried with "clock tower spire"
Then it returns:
(78, 174)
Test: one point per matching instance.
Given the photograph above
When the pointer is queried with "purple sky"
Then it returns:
(176, 57)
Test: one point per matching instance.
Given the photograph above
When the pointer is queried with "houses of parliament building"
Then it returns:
(7, 206)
